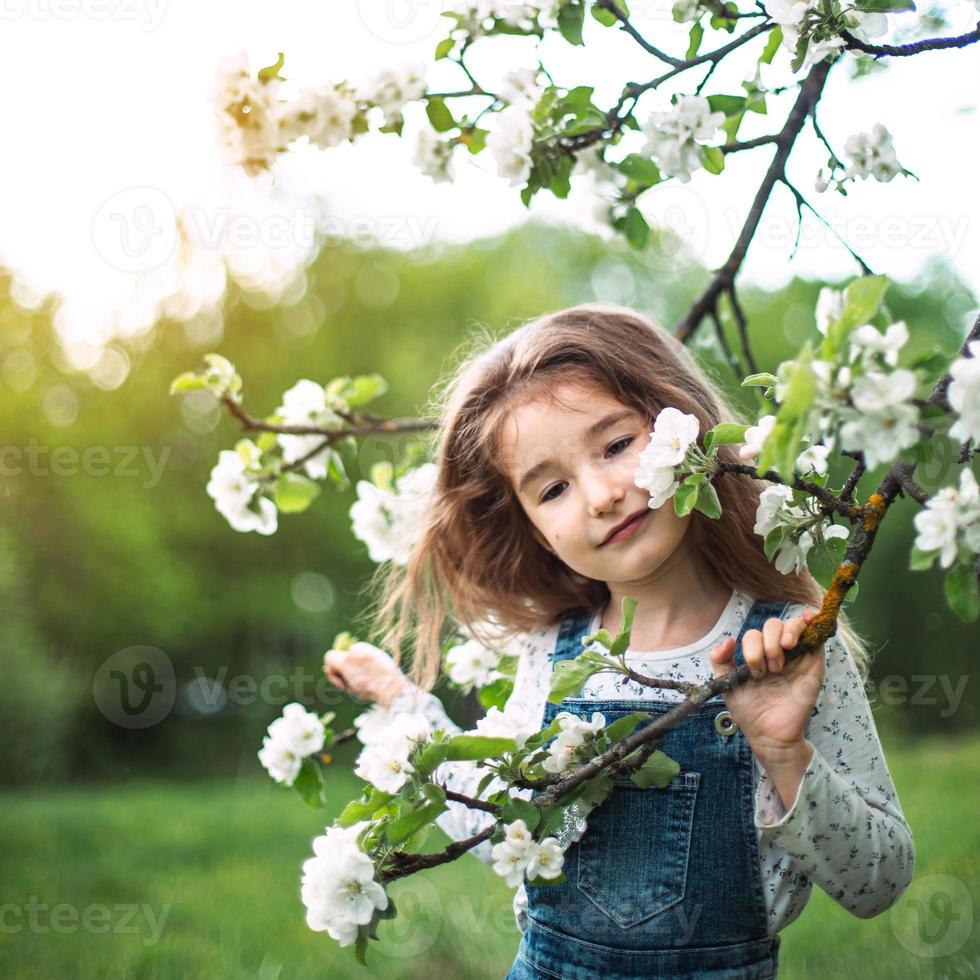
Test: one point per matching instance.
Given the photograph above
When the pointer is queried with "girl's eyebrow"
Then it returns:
(593, 430)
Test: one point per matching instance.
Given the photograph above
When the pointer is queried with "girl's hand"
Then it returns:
(773, 708)
(366, 672)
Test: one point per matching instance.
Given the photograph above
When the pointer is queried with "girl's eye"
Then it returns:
(626, 439)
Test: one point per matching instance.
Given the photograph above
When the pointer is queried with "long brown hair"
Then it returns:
(477, 563)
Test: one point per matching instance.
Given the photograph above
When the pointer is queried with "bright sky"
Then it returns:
(109, 110)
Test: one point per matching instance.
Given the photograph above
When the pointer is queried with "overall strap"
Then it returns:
(575, 624)
(762, 609)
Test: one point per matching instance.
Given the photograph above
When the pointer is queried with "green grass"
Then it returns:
(217, 867)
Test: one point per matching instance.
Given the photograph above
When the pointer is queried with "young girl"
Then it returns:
(535, 533)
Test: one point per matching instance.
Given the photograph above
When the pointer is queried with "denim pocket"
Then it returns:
(632, 859)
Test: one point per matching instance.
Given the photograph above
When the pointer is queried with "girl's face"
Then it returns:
(572, 462)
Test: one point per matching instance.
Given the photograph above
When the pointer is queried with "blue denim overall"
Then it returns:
(664, 882)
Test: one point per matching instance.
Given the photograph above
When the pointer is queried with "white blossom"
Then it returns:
(830, 305)
(384, 762)
(434, 156)
(880, 435)
(392, 88)
(949, 514)
(520, 87)
(673, 136)
(868, 341)
(325, 114)
(813, 458)
(338, 886)
(755, 436)
(390, 523)
(293, 736)
(658, 481)
(509, 141)
(234, 491)
(877, 390)
(964, 394)
(512, 722)
(519, 852)
(872, 155)
(472, 663)
(372, 724)
(685, 11)
(673, 433)
(562, 752)
(306, 404)
(247, 112)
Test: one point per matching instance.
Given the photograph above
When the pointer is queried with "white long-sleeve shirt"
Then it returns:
(845, 829)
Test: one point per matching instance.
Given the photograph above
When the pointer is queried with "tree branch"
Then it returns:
(915, 47)
(724, 279)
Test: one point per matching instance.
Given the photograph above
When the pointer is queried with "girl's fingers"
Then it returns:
(772, 633)
(722, 656)
(754, 652)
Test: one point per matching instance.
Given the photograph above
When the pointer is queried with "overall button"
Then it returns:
(725, 723)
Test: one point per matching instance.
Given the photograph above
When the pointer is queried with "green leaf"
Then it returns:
(187, 381)
(309, 784)
(364, 809)
(496, 693)
(658, 770)
(571, 18)
(364, 388)
(714, 159)
(883, 6)
(861, 301)
(519, 809)
(696, 35)
(760, 380)
(434, 793)
(439, 115)
(707, 500)
(772, 45)
(774, 540)
(622, 727)
(473, 747)
(637, 229)
(641, 169)
(430, 758)
(606, 17)
(729, 104)
(782, 446)
(294, 493)
(559, 879)
(407, 824)
(725, 434)
(686, 495)
(361, 945)
(824, 559)
(568, 677)
(962, 592)
(921, 560)
(561, 182)
(272, 71)
(444, 47)
(474, 139)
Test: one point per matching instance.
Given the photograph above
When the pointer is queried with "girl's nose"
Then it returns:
(603, 495)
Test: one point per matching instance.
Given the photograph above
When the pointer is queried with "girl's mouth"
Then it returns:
(628, 530)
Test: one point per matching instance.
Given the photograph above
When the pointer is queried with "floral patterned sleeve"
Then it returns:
(845, 830)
